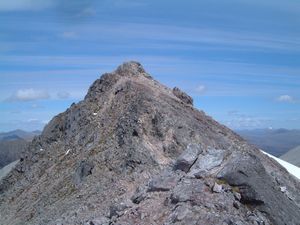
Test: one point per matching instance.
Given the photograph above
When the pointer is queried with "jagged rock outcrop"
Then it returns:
(136, 152)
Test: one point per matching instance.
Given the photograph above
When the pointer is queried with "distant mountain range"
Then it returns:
(18, 134)
(12, 144)
(274, 141)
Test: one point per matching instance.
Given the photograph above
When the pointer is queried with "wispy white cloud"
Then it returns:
(86, 12)
(69, 35)
(237, 120)
(290, 6)
(75, 8)
(36, 106)
(63, 94)
(33, 120)
(127, 4)
(285, 98)
(241, 40)
(200, 89)
(28, 95)
(25, 5)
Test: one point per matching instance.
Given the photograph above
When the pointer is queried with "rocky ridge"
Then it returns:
(136, 152)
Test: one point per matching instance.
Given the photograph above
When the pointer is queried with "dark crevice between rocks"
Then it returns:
(135, 133)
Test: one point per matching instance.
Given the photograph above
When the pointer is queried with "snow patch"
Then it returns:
(294, 170)
(68, 151)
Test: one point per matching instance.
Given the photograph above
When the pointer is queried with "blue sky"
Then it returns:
(238, 59)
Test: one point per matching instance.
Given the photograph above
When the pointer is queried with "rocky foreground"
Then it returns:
(136, 152)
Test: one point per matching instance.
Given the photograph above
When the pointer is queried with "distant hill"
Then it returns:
(274, 141)
(11, 138)
(292, 156)
(18, 134)
(10, 151)
(12, 144)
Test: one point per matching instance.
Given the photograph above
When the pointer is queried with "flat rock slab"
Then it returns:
(205, 163)
(188, 190)
(164, 182)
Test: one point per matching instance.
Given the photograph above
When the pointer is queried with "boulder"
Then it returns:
(247, 173)
(206, 162)
(187, 158)
(217, 188)
(83, 170)
(164, 182)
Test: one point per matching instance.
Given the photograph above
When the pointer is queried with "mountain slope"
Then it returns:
(292, 156)
(136, 152)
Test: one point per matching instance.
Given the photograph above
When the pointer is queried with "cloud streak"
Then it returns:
(241, 40)
(237, 120)
(285, 98)
(200, 89)
(25, 5)
(30, 94)
(63, 95)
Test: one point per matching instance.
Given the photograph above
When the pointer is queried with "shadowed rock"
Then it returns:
(257, 189)
(83, 170)
(187, 158)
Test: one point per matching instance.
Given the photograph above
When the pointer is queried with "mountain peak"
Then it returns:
(132, 68)
(127, 71)
(137, 152)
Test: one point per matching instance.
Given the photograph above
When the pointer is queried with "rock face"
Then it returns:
(136, 152)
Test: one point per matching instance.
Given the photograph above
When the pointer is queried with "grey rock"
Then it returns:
(206, 162)
(187, 158)
(182, 96)
(163, 182)
(236, 204)
(138, 196)
(237, 196)
(180, 213)
(187, 191)
(217, 188)
(99, 221)
(257, 188)
(83, 170)
(117, 209)
(283, 189)
(131, 68)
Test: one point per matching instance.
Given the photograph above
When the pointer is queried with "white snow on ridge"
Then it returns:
(294, 170)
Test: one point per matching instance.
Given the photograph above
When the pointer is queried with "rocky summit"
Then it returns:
(136, 152)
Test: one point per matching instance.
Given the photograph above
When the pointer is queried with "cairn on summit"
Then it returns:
(136, 152)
